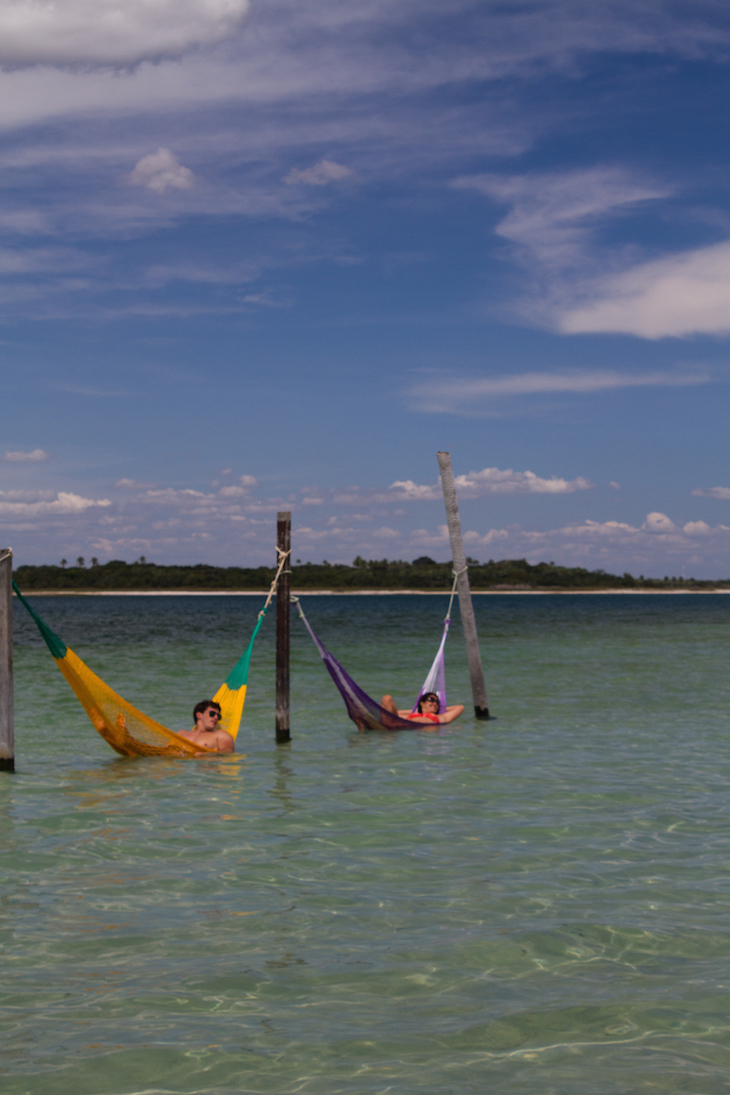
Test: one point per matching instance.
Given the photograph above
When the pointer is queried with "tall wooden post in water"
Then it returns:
(283, 616)
(478, 691)
(7, 732)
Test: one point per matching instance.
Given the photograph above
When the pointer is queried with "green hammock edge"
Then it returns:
(239, 674)
(56, 646)
(235, 679)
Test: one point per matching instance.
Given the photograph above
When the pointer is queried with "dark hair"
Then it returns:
(429, 696)
(203, 706)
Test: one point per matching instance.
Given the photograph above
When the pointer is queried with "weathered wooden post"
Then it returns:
(7, 732)
(283, 616)
(478, 691)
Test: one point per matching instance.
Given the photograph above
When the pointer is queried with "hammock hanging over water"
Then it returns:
(364, 711)
(128, 730)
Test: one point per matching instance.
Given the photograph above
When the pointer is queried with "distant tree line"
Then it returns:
(364, 574)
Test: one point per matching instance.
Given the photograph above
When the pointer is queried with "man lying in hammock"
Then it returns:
(427, 711)
(205, 732)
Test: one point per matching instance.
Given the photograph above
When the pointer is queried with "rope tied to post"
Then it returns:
(283, 555)
(7, 554)
(294, 600)
(457, 574)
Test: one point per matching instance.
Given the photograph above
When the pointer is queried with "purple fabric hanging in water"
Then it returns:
(364, 711)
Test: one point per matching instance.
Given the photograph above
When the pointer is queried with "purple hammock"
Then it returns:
(362, 709)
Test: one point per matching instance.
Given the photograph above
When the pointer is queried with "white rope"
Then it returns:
(8, 555)
(283, 555)
(457, 575)
(293, 599)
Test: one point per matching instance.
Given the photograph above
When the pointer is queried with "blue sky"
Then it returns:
(275, 255)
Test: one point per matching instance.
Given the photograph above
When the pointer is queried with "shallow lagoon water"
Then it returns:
(540, 903)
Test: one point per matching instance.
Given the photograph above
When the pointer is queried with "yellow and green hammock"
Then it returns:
(128, 730)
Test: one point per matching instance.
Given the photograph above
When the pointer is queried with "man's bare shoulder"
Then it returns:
(224, 742)
(191, 735)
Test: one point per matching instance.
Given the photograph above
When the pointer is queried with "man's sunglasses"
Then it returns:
(212, 711)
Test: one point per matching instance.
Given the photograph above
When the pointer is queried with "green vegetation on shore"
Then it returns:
(372, 574)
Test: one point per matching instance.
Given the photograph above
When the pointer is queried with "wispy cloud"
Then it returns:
(41, 260)
(132, 484)
(105, 32)
(230, 274)
(579, 284)
(721, 493)
(555, 227)
(33, 457)
(321, 174)
(553, 215)
(478, 396)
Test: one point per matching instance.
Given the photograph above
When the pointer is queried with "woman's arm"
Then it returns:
(452, 713)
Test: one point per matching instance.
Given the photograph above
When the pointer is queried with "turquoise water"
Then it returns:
(540, 903)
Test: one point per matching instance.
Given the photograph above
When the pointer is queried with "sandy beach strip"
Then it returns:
(358, 592)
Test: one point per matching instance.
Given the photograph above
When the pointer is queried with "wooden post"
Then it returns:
(478, 691)
(283, 616)
(7, 733)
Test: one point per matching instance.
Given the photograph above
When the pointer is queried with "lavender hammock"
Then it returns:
(362, 709)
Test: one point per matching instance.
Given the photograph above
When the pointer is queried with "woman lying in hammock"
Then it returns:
(427, 711)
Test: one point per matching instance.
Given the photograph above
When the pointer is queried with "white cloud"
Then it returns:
(492, 481)
(110, 32)
(722, 493)
(658, 522)
(409, 491)
(64, 503)
(614, 485)
(474, 396)
(161, 171)
(233, 491)
(186, 524)
(31, 457)
(321, 174)
(678, 295)
(657, 547)
(228, 503)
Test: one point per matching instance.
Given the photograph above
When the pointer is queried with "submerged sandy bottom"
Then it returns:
(535, 904)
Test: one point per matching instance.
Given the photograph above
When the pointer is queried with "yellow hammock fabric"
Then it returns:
(128, 730)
